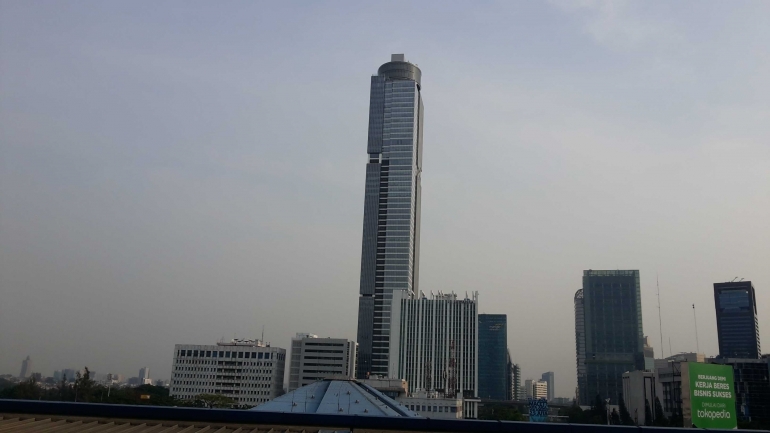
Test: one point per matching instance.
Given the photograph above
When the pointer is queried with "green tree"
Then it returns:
(647, 413)
(574, 414)
(598, 411)
(625, 417)
(210, 401)
(660, 416)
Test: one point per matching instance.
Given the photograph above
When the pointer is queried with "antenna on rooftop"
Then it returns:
(697, 345)
(660, 320)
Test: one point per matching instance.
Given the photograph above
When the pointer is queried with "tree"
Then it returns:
(598, 411)
(574, 414)
(615, 417)
(625, 417)
(647, 412)
(211, 400)
(660, 416)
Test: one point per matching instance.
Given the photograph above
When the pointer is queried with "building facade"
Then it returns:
(248, 371)
(493, 356)
(438, 342)
(391, 231)
(314, 359)
(609, 339)
(737, 324)
(516, 386)
(752, 387)
(26, 368)
(548, 378)
(536, 389)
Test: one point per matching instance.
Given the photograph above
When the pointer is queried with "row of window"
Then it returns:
(230, 354)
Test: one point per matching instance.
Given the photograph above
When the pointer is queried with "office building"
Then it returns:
(314, 359)
(513, 381)
(437, 338)
(640, 388)
(517, 388)
(540, 389)
(391, 231)
(26, 368)
(548, 378)
(608, 333)
(737, 325)
(752, 387)
(668, 374)
(144, 373)
(493, 356)
(248, 371)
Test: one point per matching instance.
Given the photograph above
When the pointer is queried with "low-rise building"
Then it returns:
(248, 371)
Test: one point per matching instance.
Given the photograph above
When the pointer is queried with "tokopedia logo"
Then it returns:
(713, 414)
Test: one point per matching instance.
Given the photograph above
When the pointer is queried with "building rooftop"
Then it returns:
(341, 397)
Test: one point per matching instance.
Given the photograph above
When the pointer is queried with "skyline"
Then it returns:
(159, 184)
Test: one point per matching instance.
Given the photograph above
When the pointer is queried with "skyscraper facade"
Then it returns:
(609, 338)
(548, 378)
(737, 325)
(437, 346)
(391, 232)
(493, 356)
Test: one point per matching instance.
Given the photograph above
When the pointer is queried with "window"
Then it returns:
(240, 354)
(189, 353)
(227, 354)
(208, 353)
(260, 355)
(195, 353)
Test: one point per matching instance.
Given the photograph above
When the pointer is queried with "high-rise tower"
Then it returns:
(737, 324)
(608, 333)
(391, 237)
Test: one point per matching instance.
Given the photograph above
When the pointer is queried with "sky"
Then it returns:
(181, 172)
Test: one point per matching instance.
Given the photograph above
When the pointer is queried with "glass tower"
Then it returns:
(610, 340)
(737, 325)
(391, 235)
(493, 356)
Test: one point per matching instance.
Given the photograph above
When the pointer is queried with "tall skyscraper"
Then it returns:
(608, 333)
(391, 235)
(548, 378)
(26, 368)
(493, 356)
(737, 325)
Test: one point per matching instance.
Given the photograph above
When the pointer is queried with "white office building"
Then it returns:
(248, 371)
(437, 350)
(314, 359)
(536, 389)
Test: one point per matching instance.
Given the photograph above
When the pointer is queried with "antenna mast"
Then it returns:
(660, 320)
(694, 316)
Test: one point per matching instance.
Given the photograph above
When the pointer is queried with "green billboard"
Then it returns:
(708, 396)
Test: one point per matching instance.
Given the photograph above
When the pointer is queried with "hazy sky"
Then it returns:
(178, 172)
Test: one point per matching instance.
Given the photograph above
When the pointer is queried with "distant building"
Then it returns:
(314, 359)
(144, 373)
(493, 356)
(517, 388)
(649, 354)
(57, 375)
(668, 373)
(69, 374)
(548, 378)
(737, 324)
(536, 388)
(437, 348)
(513, 379)
(337, 397)
(26, 368)
(248, 371)
(608, 333)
